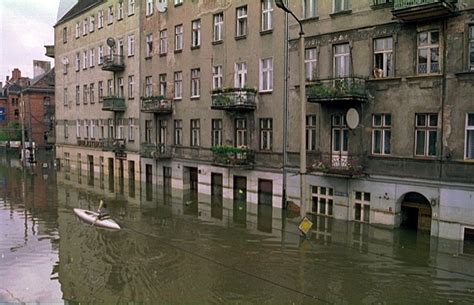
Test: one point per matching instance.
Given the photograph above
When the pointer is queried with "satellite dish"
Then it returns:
(65, 60)
(161, 5)
(111, 42)
(352, 118)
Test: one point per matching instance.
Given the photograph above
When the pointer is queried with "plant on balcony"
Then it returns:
(220, 100)
(232, 89)
(231, 155)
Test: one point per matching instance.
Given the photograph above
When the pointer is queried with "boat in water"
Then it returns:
(92, 218)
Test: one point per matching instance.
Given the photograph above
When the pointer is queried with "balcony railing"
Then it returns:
(114, 63)
(336, 164)
(156, 151)
(157, 104)
(417, 10)
(111, 144)
(234, 99)
(338, 91)
(113, 103)
(233, 156)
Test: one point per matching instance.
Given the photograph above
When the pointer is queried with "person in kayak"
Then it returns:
(103, 211)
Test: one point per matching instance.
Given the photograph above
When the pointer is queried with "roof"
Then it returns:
(81, 6)
(42, 82)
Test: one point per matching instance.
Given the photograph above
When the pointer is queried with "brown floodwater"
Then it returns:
(180, 247)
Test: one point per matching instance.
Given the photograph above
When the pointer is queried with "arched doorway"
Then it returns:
(416, 212)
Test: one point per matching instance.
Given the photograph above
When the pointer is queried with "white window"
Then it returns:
(66, 130)
(78, 95)
(240, 78)
(84, 60)
(149, 45)
(120, 48)
(218, 29)
(383, 57)
(381, 134)
(469, 136)
(91, 93)
(65, 102)
(131, 129)
(78, 30)
(120, 87)
(428, 52)
(148, 86)
(267, 15)
(309, 8)
(131, 7)
(323, 200)
(111, 128)
(341, 60)
(178, 2)
(266, 74)
(101, 19)
(196, 33)
(64, 34)
(78, 61)
(195, 132)
(178, 132)
(131, 45)
(100, 51)
(362, 207)
(340, 141)
(216, 77)
(110, 87)
(178, 85)
(163, 42)
(86, 27)
(241, 132)
(120, 131)
(91, 58)
(110, 16)
(195, 82)
(426, 134)
(311, 63)
(311, 132)
(78, 128)
(93, 124)
(341, 5)
(130, 86)
(216, 132)
(178, 37)
(85, 94)
(266, 134)
(162, 84)
(241, 25)
(92, 23)
(149, 7)
(120, 11)
(86, 125)
(100, 89)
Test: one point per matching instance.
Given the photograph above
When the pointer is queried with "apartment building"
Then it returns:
(97, 74)
(389, 84)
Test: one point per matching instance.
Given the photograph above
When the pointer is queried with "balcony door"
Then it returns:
(339, 141)
(241, 133)
(162, 134)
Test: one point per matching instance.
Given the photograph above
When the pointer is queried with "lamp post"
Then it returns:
(302, 83)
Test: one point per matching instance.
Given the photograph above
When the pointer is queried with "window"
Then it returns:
(340, 140)
(178, 2)
(91, 93)
(66, 129)
(110, 16)
(120, 48)
(216, 77)
(78, 29)
(78, 95)
(111, 128)
(381, 134)
(149, 7)
(149, 45)
(178, 85)
(383, 57)
(84, 60)
(240, 132)
(362, 207)
(148, 86)
(178, 37)
(91, 23)
(110, 88)
(64, 34)
(309, 9)
(471, 48)
(100, 89)
(148, 130)
(178, 132)
(78, 62)
(267, 15)
(195, 132)
(426, 134)
(240, 78)
(78, 128)
(163, 42)
(341, 60)
(120, 11)
(218, 29)
(65, 102)
(91, 58)
(131, 45)
(311, 63)
(428, 52)
(93, 123)
(100, 51)
(266, 74)
(131, 129)
(120, 87)
(241, 25)
(266, 134)
(131, 7)
(162, 79)
(216, 132)
(120, 129)
(85, 94)
(470, 136)
(322, 200)
(195, 82)
(341, 5)
(101, 19)
(130, 86)
(311, 132)
(85, 24)
(196, 33)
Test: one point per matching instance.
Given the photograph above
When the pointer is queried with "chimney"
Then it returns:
(16, 74)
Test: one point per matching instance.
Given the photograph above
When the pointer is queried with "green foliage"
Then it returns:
(11, 132)
(231, 155)
(343, 87)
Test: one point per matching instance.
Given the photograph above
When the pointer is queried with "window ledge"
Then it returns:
(381, 79)
(266, 32)
(178, 51)
(265, 92)
(340, 13)
(178, 4)
(310, 19)
(148, 57)
(240, 37)
(464, 73)
(195, 48)
(217, 42)
(421, 76)
(177, 99)
(193, 98)
(381, 6)
(163, 54)
(131, 98)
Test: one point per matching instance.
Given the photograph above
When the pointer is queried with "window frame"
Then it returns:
(218, 27)
(387, 56)
(266, 134)
(217, 77)
(266, 74)
(312, 12)
(311, 133)
(163, 42)
(178, 38)
(216, 132)
(241, 19)
(428, 46)
(266, 12)
(240, 75)
(195, 83)
(178, 85)
(195, 133)
(149, 45)
(195, 33)
(384, 128)
(469, 128)
(427, 129)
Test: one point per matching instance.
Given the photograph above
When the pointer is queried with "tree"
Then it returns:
(11, 132)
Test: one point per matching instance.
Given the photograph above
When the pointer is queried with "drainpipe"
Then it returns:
(285, 116)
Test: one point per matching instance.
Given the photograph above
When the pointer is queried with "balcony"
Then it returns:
(113, 63)
(234, 99)
(233, 156)
(49, 51)
(156, 104)
(116, 145)
(339, 165)
(156, 151)
(419, 10)
(345, 91)
(113, 103)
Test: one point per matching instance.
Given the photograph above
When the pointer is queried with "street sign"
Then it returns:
(305, 225)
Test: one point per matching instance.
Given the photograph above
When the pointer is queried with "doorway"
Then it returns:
(416, 212)
(240, 201)
(216, 196)
(148, 174)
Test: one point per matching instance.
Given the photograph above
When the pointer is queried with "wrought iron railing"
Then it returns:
(156, 151)
(343, 88)
(339, 164)
(233, 156)
(234, 99)
(113, 144)
(113, 63)
(157, 104)
(402, 4)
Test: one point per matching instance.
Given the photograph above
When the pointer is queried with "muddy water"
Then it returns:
(183, 248)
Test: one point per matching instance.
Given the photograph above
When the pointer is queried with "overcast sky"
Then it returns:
(25, 27)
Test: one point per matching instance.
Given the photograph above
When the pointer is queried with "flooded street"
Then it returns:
(184, 248)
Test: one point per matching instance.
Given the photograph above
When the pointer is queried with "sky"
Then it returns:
(25, 27)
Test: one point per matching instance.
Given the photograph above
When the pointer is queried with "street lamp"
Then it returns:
(302, 82)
